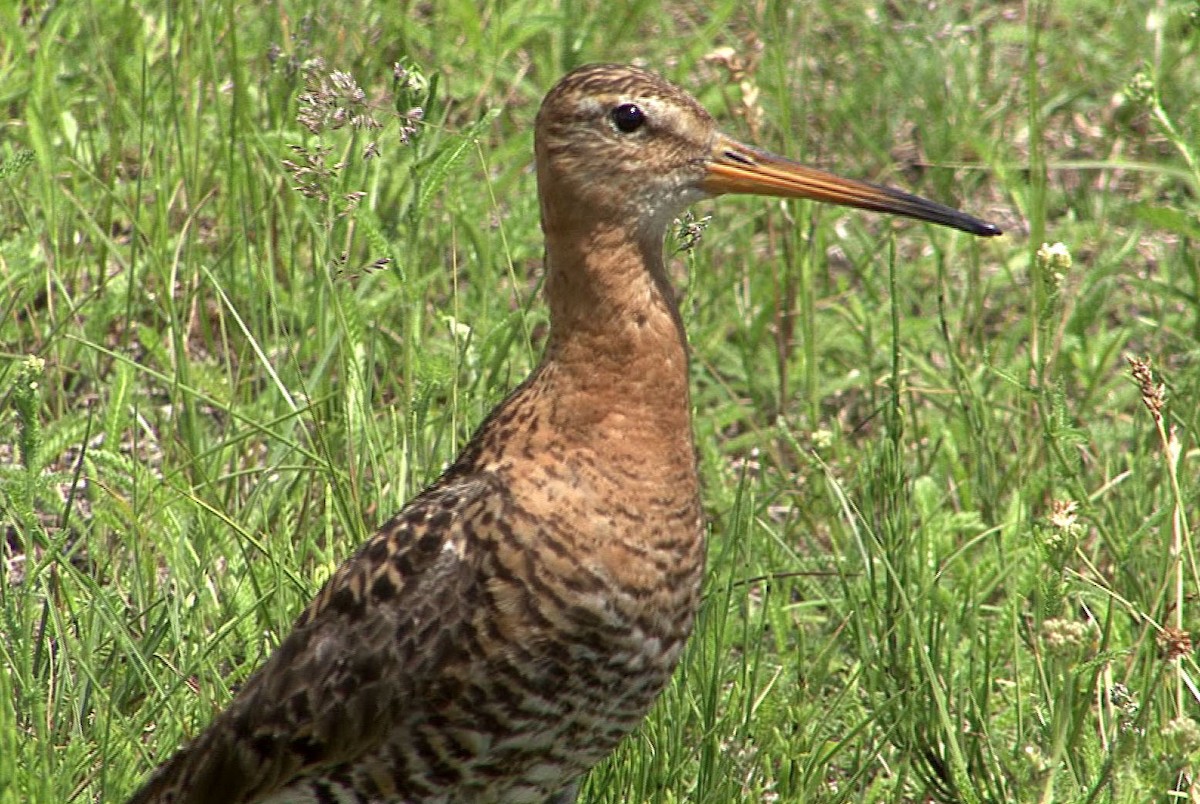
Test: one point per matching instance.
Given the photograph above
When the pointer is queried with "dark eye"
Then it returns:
(628, 117)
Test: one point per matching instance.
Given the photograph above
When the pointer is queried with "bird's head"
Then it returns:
(617, 143)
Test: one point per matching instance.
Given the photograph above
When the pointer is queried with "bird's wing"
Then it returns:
(359, 658)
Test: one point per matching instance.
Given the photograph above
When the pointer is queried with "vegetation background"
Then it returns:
(264, 266)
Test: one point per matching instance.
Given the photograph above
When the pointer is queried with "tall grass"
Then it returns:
(951, 483)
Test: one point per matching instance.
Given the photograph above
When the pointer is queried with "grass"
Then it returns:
(951, 546)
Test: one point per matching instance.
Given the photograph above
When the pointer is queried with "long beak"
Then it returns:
(738, 168)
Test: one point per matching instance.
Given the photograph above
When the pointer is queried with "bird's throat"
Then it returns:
(617, 351)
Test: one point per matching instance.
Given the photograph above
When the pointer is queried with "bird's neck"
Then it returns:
(617, 353)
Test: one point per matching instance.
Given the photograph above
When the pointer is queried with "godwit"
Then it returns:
(500, 635)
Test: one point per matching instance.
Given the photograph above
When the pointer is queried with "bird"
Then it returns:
(500, 635)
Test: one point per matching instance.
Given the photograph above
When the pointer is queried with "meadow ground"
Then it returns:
(951, 548)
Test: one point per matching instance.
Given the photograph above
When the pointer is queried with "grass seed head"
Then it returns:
(1154, 395)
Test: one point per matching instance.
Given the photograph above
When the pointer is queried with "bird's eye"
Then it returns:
(628, 117)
